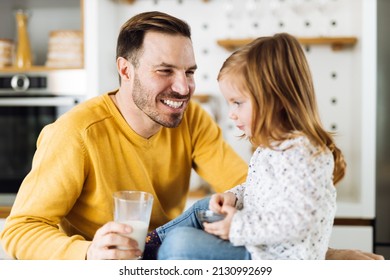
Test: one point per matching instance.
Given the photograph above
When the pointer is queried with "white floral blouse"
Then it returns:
(287, 204)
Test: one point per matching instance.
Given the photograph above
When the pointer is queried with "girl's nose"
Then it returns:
(231, 115)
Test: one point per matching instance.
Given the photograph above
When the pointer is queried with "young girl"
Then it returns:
(286, 207)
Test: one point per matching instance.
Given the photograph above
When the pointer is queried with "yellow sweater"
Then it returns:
(89, 153)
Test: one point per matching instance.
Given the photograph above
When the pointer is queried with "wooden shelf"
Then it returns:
(337, 43)
(132, 1)
(202, 98)
(4, 211)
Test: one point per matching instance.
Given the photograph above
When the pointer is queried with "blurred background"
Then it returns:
(344, 40)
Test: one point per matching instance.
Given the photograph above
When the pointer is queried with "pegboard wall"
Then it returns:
(338, 75)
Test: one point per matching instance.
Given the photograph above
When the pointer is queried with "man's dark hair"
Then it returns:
(132, 33)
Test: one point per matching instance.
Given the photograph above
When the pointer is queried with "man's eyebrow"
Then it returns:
(194, 67)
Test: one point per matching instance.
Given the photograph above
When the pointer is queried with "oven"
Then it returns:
(28, 102)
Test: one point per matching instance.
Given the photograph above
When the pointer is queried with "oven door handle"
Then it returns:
(38, 101)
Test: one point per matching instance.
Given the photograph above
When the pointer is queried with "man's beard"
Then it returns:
(142, 99)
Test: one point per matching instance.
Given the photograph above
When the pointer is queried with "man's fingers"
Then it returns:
(117, 240)
(114, 227)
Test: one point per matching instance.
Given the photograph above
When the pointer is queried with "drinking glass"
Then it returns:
(134, 208)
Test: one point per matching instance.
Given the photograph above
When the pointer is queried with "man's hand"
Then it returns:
(346, 254)
(108, 239)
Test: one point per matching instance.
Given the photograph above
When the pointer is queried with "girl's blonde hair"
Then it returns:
(275, 73)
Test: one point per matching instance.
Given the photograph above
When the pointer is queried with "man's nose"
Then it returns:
(180, 84)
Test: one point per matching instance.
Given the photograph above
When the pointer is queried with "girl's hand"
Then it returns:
(221, 228)
(219, 200)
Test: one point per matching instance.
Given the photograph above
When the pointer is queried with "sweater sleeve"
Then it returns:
(45, 197)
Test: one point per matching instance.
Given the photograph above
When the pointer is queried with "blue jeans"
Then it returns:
(183, 238)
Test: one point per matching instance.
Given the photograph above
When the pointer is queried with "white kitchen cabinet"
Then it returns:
(3, 255)
(356, 237)
(101, 28)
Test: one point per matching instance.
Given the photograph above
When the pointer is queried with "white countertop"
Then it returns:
(3, 255)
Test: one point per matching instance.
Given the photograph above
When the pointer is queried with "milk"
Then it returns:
(140, 229)
(134, 208)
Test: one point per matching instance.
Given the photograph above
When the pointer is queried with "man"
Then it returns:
(146, 135)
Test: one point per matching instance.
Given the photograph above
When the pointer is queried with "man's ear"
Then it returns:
(124, 68)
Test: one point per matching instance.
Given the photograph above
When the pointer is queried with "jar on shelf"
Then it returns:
(23, 56)
(6, 52)
(65, 49)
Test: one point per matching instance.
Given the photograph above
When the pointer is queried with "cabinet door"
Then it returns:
(352, 237)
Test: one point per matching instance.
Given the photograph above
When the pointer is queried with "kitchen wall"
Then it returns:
(335, 82)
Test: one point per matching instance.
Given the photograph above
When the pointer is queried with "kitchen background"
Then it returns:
(345, 42)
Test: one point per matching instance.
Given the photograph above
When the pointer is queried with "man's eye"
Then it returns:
(190, 73)
(165, 71)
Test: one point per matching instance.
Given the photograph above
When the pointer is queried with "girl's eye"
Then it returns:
(235, 104)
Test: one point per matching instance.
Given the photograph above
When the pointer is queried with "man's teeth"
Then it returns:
(173, 104)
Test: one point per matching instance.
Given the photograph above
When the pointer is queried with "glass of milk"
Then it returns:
(134, 208)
